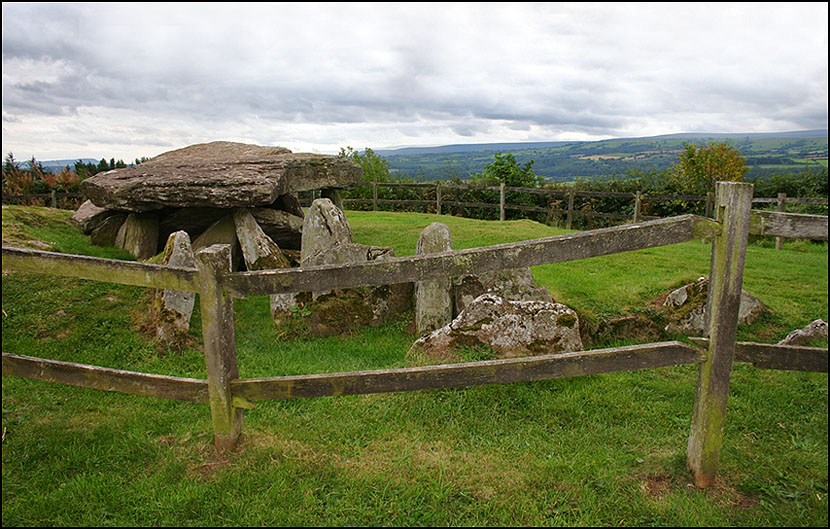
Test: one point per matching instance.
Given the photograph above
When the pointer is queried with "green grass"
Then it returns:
(596, 450)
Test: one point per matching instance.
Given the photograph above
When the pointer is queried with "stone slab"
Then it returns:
(218, 174)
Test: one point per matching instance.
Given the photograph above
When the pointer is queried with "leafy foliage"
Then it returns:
(698, 168)
(374, 167)
(505, 169)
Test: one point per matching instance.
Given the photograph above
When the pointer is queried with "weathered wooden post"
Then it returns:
(709, 201)
(782, 198)
(438, 198)
(375, 194)
(54, 199)
(733, 207)
(501, 201)
(637, 200)
(569, 221)
(216, 307)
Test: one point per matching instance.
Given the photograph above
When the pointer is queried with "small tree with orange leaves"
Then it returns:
(698, 168)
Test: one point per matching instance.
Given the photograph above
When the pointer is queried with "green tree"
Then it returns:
(506, 169)
(698, 168)
(374, 166)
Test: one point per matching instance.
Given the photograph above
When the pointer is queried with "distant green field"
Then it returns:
(564, 163)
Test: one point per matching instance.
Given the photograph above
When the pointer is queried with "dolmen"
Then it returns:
(197, 189)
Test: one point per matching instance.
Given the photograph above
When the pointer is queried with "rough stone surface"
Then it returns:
(139, 235)
(815, 331)
(258, 250)
(686, 308)
(510, 328)
(174, 308)
(324, 227)
(433, 298)
(223, 231)
(106, 232)
(282, 227)
(218, 174)
(327, 239)
(262, 253)
(515, 285)
(290, 204)
(89, 216)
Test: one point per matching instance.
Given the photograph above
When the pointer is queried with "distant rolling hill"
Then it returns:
(766, 153)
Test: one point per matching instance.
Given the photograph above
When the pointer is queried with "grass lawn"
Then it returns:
(595, 450)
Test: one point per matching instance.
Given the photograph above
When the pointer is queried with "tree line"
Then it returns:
(694, 172)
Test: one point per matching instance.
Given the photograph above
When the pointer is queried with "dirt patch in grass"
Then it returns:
(657, 486)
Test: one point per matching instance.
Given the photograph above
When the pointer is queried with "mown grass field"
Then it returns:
(596, 450)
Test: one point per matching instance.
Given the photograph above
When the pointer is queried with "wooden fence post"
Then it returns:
(637, 200)
(709, 201)
(733, 208)
(569, 222)
(438, 198)
(501, 201)
(375, 194)
(54, 199)
(782, 197)
(216, 307)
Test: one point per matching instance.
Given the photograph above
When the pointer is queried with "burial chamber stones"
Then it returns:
(193, 188)
(220, 174)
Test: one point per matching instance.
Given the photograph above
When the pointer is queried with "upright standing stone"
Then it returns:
(105, 233)
(223, 231)
(324, 227)
(139, 235)
(327, 240)
(433, 298)
(173, 308)
(261, 253)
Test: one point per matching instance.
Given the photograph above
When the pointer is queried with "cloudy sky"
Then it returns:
(131, 80)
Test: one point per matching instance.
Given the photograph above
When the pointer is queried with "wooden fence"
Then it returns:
(228, 395)
(440, 203)
(52, 198)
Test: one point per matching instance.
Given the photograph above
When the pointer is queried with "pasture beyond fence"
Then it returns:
(228, 395)
(561, 205)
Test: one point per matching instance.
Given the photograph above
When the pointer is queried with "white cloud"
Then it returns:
(130, 79)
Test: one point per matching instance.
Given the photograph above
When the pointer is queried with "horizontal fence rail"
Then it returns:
(774, 356)
(526, 369)
(166, 387)
(789, 225)
(98, 269)
(561, 248)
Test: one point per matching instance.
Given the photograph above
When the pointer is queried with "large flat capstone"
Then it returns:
(219, 174)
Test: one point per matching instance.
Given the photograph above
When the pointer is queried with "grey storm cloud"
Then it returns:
(381, 69)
